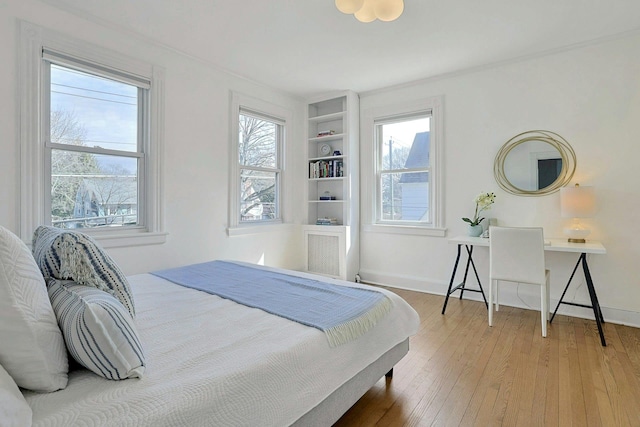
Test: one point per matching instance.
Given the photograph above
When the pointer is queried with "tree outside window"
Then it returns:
(259, 158)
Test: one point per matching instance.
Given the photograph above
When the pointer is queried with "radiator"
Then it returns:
(323, 254)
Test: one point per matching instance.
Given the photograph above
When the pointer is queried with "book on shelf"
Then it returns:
(338, 169)
(327, 221)
(326, 133)
(326, 169)
(327, 197)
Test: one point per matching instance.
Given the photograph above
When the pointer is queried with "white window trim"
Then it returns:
(240, 101)
(369, 160)
(33, 190)
(426, 113)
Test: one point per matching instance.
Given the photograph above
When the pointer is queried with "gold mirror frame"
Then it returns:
(556, 141)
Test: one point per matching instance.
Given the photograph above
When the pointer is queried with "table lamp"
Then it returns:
(577, 202)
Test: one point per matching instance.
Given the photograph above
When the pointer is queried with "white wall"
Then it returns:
(590, 96)
(197, 106)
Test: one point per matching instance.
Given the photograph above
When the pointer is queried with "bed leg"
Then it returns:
(389, 374)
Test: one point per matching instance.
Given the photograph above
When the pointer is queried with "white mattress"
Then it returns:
(211, 361)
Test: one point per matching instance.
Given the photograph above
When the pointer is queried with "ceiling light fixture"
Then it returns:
(370, 10)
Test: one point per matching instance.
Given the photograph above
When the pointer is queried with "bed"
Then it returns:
(211, 361)
(155, 351)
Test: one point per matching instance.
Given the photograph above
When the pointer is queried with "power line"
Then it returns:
(94, 98)
(87, 75)
(93, 90)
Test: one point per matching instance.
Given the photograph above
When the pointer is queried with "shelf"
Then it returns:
(332, 249)
(328, 117)
(327, 138)
(328, 178)
(315, 159)
(318, 226)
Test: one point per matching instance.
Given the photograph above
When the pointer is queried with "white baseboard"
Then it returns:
(512, 296)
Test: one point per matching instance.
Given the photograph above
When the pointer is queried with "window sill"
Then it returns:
(244, 229)
(404, 229)
(128, 239)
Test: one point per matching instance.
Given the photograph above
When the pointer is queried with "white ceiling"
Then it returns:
(306, 47)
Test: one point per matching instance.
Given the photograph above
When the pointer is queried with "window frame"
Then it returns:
(35, 197)
(371, 195)
(277, 169)
(379, 142)
(52, 58)
(282, 117)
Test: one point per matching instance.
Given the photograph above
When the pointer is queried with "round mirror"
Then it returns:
(534, 163)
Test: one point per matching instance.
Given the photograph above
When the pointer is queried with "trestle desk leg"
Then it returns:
(477, 278)
(565, 289)
(595, 304)
(597, 312)
(466, 268)
(453, 276)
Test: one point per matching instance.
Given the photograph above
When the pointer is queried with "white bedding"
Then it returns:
(212, 362)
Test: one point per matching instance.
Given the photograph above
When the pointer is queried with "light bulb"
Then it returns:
(349, 6)
(388, 10)
(366, 12)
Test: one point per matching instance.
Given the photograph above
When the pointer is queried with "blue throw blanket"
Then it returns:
(342, 313)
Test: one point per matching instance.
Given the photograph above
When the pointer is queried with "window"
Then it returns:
(257, 172)
(401, 165)
(91, 140)
(403, 148)
(259, 142)
(95, 124)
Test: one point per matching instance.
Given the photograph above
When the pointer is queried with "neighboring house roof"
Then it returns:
(418, 157)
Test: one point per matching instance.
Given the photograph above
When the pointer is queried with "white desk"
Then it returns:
(551, 245)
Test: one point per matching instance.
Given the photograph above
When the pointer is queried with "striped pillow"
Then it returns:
(98, 331)
(69, 255)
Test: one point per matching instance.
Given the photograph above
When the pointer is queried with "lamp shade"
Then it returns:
(370, 10)
(349, 6)
(366, 12)
(388, 10)
(577, 202)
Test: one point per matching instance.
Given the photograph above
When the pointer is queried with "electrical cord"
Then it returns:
(575, 293)
(520, 297)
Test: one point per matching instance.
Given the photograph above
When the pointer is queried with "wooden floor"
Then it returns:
(461, 372)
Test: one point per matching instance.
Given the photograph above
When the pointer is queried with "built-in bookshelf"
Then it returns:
(332, 182)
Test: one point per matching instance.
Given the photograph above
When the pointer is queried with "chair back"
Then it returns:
(516, 254)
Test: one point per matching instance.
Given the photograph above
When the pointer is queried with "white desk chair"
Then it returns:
(517, 255)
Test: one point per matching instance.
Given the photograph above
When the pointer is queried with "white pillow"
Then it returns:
(98, 330)
(32, 349)
(70, 255)
(14, 410)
